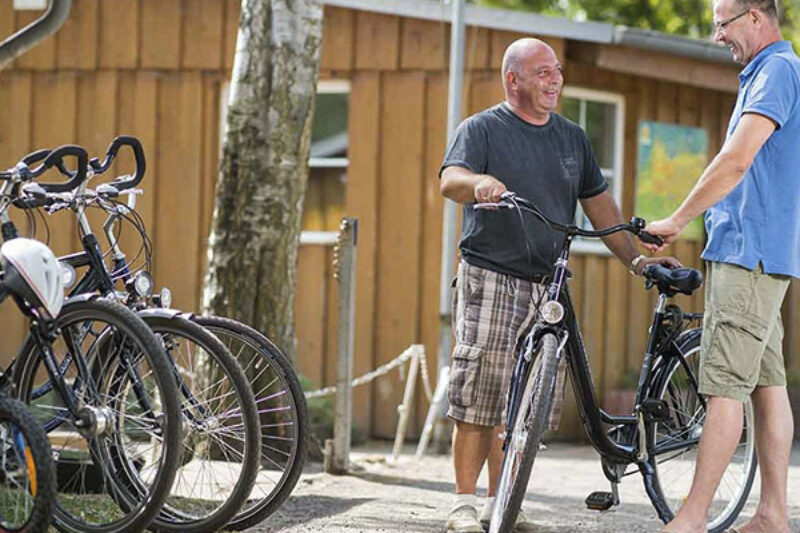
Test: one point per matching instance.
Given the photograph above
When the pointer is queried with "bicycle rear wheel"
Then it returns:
(526, 434)
(118, 372)
(282, 415)
(675, 443)
(27, 474)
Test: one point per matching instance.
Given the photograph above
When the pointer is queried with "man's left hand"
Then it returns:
(669, 262)
(667, 229)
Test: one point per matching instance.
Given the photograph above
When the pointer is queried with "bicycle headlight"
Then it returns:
(165, 298)
(143, 284)
(552, 312)
(68, 275)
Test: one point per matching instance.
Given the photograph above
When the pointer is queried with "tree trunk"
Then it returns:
(252, 247)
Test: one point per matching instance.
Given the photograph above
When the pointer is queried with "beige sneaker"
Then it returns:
(464, 519)
(522, 524)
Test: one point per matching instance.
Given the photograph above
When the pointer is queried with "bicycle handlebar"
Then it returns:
(51, 159)
(111, 154)
(510, 200)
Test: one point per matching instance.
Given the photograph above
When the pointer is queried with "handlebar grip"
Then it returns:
(649, 238)
(34, 157)
(55, 158)
(138, 156)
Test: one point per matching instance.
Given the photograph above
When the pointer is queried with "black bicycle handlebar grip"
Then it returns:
(649, 238)
(34, 157)
(55, 158)
(138, 156)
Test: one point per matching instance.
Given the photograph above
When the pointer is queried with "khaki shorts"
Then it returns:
(490, 313)
(742, 331)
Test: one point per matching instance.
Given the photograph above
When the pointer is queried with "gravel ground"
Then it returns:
(414, 496)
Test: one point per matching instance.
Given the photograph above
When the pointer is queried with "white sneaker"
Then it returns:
(522, 524)
(464, 519)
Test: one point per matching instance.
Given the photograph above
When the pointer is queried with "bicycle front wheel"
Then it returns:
(282, 415)
(674, 444)
(117, 372)
(526, 435)
(27, 474)
(220, 447)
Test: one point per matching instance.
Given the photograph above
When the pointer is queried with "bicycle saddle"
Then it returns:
(683, 280)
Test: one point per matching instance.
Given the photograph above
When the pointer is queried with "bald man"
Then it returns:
(524, 146)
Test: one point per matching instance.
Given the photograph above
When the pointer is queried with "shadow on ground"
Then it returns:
(298, 510)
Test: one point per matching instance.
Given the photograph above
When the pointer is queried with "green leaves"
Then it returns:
(680, 17)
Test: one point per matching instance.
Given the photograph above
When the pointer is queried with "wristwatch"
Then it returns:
(635, 263)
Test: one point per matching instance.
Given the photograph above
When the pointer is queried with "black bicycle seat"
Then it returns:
(683, 280)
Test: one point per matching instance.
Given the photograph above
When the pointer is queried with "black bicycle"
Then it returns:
(276, 389)
(659, 439)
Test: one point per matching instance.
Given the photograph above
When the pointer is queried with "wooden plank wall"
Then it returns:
(158, 74)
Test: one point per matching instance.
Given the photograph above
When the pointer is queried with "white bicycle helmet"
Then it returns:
(33, 273)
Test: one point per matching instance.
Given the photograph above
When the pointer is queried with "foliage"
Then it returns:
(680, 17)
(321, 418)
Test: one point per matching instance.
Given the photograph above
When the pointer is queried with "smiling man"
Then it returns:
(751, 191)
(521, 145)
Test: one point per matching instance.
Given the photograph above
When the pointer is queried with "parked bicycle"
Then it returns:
(107, 386)
(277, 391)
(659, 439)
(27, 474)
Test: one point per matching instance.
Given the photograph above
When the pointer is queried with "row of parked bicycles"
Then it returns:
(117, 412)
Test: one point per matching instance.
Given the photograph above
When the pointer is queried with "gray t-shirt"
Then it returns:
(551, 165)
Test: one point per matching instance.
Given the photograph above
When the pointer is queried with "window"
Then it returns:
(602, 117)
(328, 162)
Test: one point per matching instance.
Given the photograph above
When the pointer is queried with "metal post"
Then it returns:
(33, 33)
(345, 254)
(450, 218)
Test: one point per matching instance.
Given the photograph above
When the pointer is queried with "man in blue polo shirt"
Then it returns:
(751, 195)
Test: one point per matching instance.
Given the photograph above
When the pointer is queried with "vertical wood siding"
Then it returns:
(154, 69)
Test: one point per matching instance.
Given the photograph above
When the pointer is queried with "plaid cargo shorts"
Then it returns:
(491, 311)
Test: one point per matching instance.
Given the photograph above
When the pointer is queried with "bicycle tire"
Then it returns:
(254, 349)
(174, 519)
(528, 426)
(130, 516)
(683, 402)
(42, 489)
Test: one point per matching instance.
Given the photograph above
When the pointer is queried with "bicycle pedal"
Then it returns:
(600, 501)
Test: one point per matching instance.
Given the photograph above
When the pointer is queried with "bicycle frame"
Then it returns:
(592, 415)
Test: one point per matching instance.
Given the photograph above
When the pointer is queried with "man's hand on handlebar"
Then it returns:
(488, 189)
(667, 228)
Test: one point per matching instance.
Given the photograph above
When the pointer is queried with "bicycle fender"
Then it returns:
(160, 312)
(86, 297)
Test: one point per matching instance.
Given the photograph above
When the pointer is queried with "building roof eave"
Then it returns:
(524, 22)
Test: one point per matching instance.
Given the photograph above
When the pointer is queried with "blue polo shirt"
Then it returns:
(759, 221)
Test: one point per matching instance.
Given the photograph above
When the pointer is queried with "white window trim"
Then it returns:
(596, 246)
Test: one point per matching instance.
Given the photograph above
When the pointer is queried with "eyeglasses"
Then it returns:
(721, 25)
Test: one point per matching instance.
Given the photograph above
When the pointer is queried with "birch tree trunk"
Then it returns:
(254, 236)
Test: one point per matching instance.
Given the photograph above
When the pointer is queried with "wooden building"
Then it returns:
(158, 69)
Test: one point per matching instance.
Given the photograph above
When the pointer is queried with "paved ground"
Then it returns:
(414, 496)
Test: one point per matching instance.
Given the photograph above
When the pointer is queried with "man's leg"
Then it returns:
(721, 433)
(774, 429)
(470, 449)
(495, 461)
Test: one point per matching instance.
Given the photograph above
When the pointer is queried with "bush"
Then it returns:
(321, 412)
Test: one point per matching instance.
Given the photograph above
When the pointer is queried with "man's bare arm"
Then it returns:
(464, 186)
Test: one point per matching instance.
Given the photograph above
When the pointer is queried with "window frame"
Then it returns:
(597, 246)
